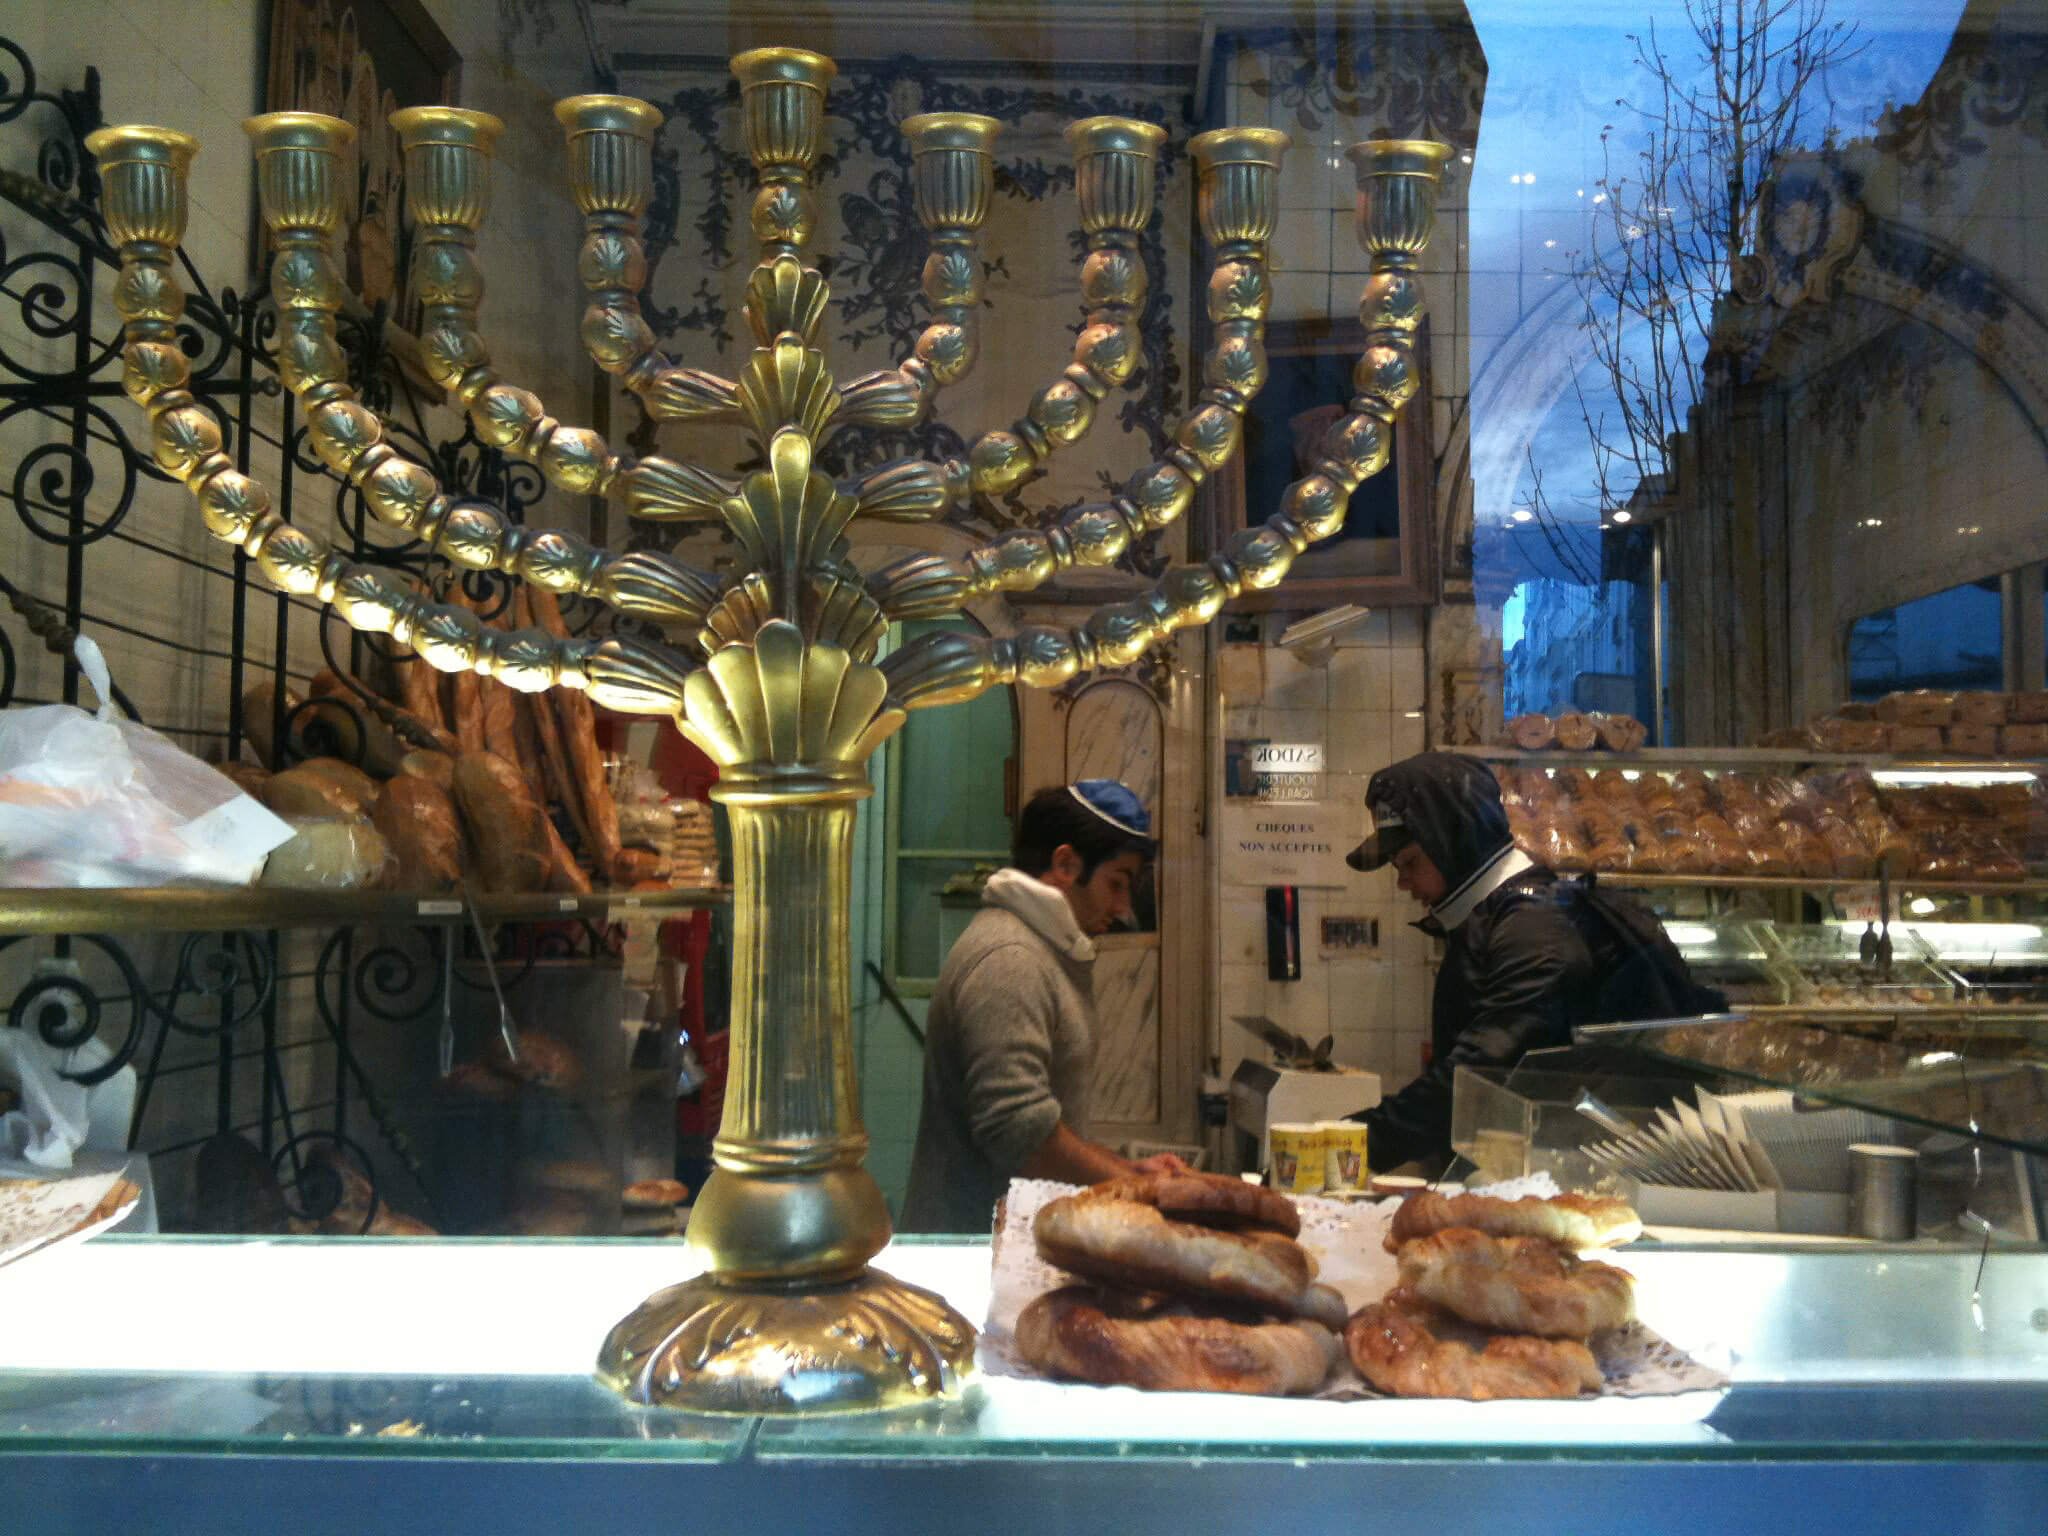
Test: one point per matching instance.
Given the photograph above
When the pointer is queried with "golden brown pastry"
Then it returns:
(1978, 740)
(1532, 733)
(1131, 1245)
(1574, 1221)
(1209, 1199)
(1518, 1284)
(1920, 707)
(1618, 733)
(1983, 708)
(1085, 1334)
(1405, 1347)
(654, 1194)
(1575, 733)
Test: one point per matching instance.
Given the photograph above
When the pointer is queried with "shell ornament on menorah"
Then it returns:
(771, 671)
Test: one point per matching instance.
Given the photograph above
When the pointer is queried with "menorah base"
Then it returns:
(862, 1345)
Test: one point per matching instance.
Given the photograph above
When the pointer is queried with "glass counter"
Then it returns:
(370, 1381)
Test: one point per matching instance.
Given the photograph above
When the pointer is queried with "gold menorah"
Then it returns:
(772, 670)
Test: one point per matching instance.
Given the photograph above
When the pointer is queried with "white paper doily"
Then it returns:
(1347, 1241)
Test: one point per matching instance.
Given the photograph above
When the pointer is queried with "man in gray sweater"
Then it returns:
(1010, 1040)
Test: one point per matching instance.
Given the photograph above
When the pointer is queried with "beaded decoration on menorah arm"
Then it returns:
(771, 669)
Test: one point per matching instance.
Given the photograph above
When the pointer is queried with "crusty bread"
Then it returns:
(1404, 1346)
(1574, 1221)
(1518, 1284)
(1207, 1199)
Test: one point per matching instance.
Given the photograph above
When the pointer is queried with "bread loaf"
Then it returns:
(1982, 708)
(504, 822)
(1922, 706)
(1972, 740)
(328, 853)
(1532, 733)
(2027, 708)
(310, 790)
(1575, 733)
(1618, 733)
(2027, 740)
(346, 777)
(1832, 733)
(437, 766)
(1906, 738)
(417, 818)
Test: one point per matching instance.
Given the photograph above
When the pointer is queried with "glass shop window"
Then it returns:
(948, 808)
(1948, 640)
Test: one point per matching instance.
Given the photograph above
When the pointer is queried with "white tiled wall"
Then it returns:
(1363, 704)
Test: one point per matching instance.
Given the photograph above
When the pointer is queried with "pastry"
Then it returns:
(506, 826)
(1573, 1220)
(1405, 1347)
(1130, 1245)
(417, 818)
(1085, 1334)
(1517, 1284)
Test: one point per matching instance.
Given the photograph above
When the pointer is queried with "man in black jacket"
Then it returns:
(1526, 956)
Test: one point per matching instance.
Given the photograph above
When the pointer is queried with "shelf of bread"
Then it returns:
(1829, 825)
(193, 909)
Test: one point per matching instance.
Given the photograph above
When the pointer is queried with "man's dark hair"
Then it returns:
(1052, 817)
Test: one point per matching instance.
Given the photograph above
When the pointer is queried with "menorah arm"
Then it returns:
(447, 192)
(952, 174)
(948, 667)
(1238, 201)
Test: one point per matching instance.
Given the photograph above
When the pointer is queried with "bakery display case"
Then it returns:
(1862, 1380)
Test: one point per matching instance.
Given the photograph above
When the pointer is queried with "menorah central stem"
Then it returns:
(790, 1199)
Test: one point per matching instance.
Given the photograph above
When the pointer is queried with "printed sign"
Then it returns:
(1286, 757)
(1288, 844)
(1254, 768)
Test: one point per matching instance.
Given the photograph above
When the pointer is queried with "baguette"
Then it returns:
(578, 719)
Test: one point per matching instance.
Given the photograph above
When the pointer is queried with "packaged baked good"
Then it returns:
(1532, 733)
(1921, 706)
(1555, 844)
(1851, 854)
(2027, 708)
(1905, 738)
(1614, 787)
(1618, 733)
(1982, 708)
(1575, 733)
(1653, 793)
(1692, 790)
(1833, 733)
(331, 853)
(2023, 740)
(1972, 740)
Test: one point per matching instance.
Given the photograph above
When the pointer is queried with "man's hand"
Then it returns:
(1160, 1162)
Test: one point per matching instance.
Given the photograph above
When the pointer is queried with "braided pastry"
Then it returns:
(1404, 1346)
(1517, 1284)
(1096, 1336)
(1572, 1221)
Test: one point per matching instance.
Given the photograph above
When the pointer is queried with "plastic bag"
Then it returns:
(97, 800)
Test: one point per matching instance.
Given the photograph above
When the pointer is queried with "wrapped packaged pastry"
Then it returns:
(1646, 851)
(1725, 852)
(1983, 708)
(1575, 733)
(1832, 733)
(1851, 854)
(1803, 847)
(1614, 787)
(332, 853)
(1553, 842)
(2027, 708)
(1532, 733)
(1653, 793)
(1922, 706)
(1618, 733)
(1685, 851)
(1906, 739)
(2026, 740)
(417, 818)
(1692, 791)
(1972, 740)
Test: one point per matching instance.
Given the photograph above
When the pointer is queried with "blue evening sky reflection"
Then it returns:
(1554, 77)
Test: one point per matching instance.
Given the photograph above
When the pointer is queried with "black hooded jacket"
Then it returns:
(1532, 957)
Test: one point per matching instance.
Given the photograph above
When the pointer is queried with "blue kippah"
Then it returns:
(1116, 803)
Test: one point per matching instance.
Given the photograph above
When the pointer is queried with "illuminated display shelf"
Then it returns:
(173, 909)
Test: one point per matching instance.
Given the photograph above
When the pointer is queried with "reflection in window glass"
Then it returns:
(1948, 640)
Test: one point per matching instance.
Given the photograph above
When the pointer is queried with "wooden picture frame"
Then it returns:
(1385, 555)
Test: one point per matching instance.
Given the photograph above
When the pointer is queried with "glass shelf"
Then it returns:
(1661, 759)
(1980, 1074)
(194, 909)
